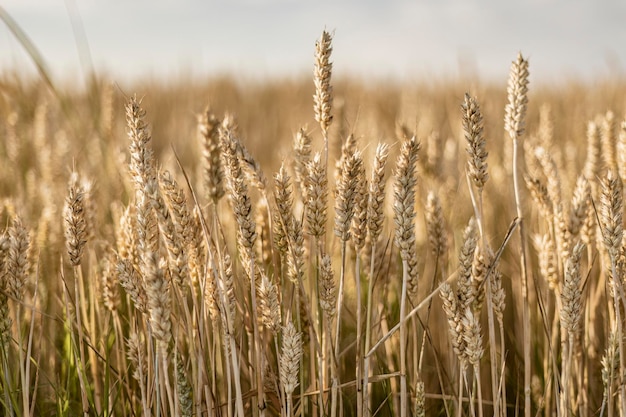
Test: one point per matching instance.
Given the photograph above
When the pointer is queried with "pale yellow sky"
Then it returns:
(393, 38)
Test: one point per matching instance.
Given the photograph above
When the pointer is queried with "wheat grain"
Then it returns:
(467, 293)
(579, 207)
(177, 204)
(498, 296)
(282, 217)
(238, 191)
(546, 252)
(607, 141)
(472, 337)
(328, 287)
(269, 306)
(473, 129)
(213, 175)
(610, 366)
(159, 302)
(420, 400)
(136, 355)
(435, 226)
(132, 283)
(5, 314)
(345, 196)
(404, 197)
(316, 196)
(177, 257)
(571, 307)
(545, 131)
(611, 212)
(142, 164)
(295, 255)
(375, 208)
(17, 262)
(455, 326)
(323, 97)
(264, 252)
(480, 266)
(302, 158)
(126, 236)
(183, 388)
(108, 282)
(358, 230)
(434, 155)
(540, 196)
(593, 165)
(75, 221)
(291, 353)
(517, 92)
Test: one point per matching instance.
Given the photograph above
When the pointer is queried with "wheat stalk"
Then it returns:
(514, 124)
(404, 215)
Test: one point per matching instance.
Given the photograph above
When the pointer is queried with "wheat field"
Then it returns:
(313, 247)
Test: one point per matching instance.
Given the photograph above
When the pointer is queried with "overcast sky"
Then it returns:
(387, 38)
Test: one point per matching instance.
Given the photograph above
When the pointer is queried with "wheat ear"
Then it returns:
(316, 197)
(323, 97)
(290, 363)
(302, 158)
(213, 174)
(75, 221)
(137, 357)
(183, 389)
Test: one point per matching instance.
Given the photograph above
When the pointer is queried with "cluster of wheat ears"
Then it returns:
(451, 283)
